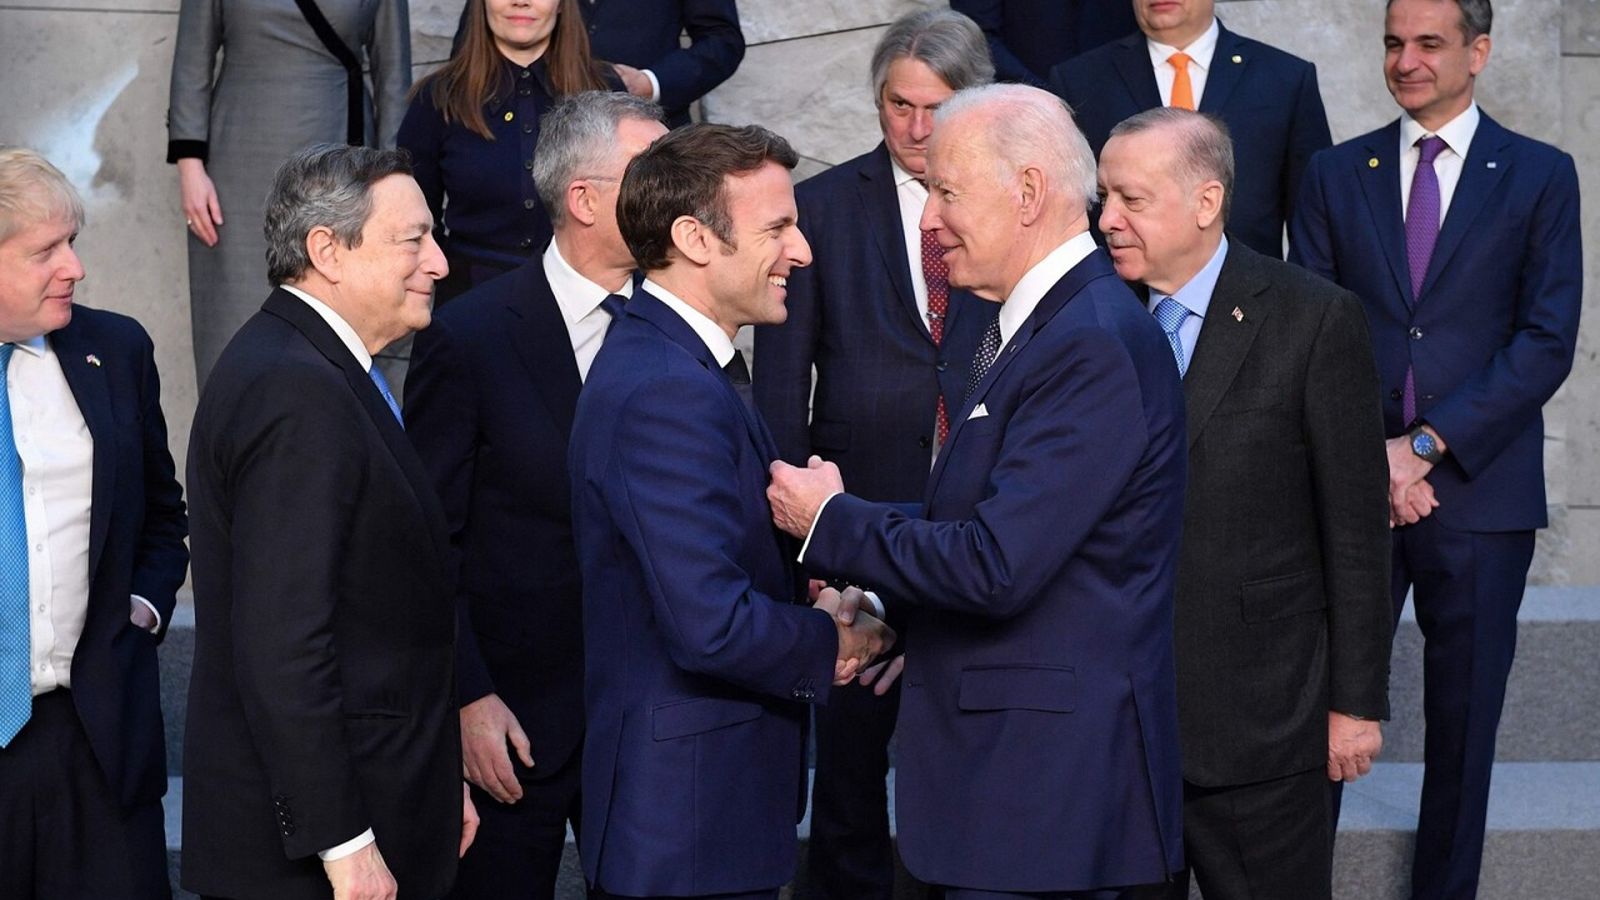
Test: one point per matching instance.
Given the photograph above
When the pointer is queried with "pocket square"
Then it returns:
(978, 412)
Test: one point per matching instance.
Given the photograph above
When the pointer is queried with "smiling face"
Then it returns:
(911, 92)
(1158, 230)
(38, 272)
(748, 279)
(388, 280)
(973, 212)
(1428, 63)
(1175, 23)
(522, 28)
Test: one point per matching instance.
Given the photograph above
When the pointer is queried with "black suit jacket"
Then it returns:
(489, 404)
(322, 700)
(1283, 582)
(136, 532)
(853, 315)
(1268, 98)
(1030, 37)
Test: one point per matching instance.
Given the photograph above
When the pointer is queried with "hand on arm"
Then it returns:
(637, 83)
(1410, 498)
(796, 495)
(201, 211)
(487, 725)
(1352, 746)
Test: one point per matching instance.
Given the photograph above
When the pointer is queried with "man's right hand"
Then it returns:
(860, 642)
(486, 725)
(362, 875)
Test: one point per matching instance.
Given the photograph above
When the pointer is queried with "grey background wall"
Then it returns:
(85, 82)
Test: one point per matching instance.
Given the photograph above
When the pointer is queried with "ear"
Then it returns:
(694, 239)
(326, 253)
(1032, 185)
(1480, 54)
(582, 202)
(1208, 203)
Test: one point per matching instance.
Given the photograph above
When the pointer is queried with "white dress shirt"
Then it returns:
(1457, 135)
(913, 196)
(579, 300)
(716, 340)
(1037, 282)
(1200, 53)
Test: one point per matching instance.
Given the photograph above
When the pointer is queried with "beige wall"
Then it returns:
(85, 81)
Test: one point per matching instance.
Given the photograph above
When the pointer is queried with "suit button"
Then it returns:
(1395, 395)
(527, 204)
(527, 128)
(1416, 333)
(524, 92)
(525, 243)
(528, 165)
(924, 442)
(941, 365)
(524, 74)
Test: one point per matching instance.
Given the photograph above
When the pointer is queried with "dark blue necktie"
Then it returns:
(613, 304)
(988, 349)
(376, 374)
(16, 689)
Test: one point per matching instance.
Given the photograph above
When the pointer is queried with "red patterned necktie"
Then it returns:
(937, 277)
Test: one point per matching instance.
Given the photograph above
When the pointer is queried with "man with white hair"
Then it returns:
(1039, 752)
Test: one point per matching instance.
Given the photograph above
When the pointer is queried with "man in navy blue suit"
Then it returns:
(489, 404)
(641, 38)
(1030, 37)
(1462, 240)
(701, 657)
(1038, 751)
(91, 557)
(889, 339)
(1182, 56)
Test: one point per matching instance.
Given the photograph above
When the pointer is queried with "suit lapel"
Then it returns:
(880, 201)
(539, 338)
(1485, 164)
(1224, 340)
(1133, 64)
(1380, 184)
(87, 381)
(1224, 74)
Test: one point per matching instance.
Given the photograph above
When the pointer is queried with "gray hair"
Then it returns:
(33, 190)
(326, 185)
(946, 41)
(1205, 148)
(1476, 17)
(580, 133)
(1028, 126)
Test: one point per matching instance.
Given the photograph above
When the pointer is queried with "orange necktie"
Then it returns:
(1182, 89)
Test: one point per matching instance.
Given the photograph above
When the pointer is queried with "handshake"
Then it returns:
(862, 636)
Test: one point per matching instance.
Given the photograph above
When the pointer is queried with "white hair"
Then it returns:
(1028, 127)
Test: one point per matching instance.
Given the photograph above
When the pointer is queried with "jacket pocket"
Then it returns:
(1041, 688)
(683, 718)
(1282, 596)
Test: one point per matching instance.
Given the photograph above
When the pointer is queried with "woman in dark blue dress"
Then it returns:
(473, 124)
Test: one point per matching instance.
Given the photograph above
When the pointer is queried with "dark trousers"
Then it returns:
(851, 856)
(1263, 841)
(597, 894)
(1467, 588)
(952, 893)
(517, 853)
(63, 834)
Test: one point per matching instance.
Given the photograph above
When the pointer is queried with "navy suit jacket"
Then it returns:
(853, 315)
(490, 397)
(1492, 334)
(1268, 99)
(136, 531)
(1038, 720)
(1030, 37)
(644, 34)
(701, 655)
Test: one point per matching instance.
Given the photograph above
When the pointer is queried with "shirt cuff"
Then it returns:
(655, 85)
(153, 611)
(814, 521)
(877, 605)
(348, 847)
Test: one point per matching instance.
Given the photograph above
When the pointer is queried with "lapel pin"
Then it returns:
(1491, 164)
(510, 116)
(1237, 58)
(1238, 314)
(92, 360)
(1372, 163)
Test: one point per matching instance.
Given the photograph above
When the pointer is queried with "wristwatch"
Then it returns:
(1424, 446)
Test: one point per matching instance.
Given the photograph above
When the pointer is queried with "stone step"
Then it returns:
(1552, 701)
(1543, 839)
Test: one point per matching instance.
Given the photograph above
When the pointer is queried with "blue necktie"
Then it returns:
(1170, 315)
(376, 374)
(16, 689)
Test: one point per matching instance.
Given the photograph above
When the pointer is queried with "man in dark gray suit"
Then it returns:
(1282, 612)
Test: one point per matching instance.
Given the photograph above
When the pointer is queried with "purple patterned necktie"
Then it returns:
(1422, 232)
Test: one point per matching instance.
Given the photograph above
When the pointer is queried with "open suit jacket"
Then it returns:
(1493, 332)
(1029, 37)
(701, 655)
(136, 532)
(1038, 722)
(1268, 99)
(1283, 584)
(489, 403)
(322, 700)
(853, 315)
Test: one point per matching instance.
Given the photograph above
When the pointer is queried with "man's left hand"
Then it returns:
(796, 495)
(469, 820)
(637, 83)
(141, 616)
(1352, 746)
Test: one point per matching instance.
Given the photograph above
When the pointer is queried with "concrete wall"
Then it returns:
(85, 82)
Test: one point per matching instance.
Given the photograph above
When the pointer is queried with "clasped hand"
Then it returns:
(862, 636)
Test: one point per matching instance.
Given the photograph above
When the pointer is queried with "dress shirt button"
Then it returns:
(41, 609)
(527, 204)
(1416, 333)
(39, 547)
(924, 442)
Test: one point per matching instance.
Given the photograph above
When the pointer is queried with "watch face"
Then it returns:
(1422, 445)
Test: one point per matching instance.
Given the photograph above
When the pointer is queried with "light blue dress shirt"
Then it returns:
(1196, 298)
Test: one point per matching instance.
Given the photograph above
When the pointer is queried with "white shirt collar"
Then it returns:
(576, 295)
(1038, 281)
(1200, 50)
(1457, 132)
(902, 177)
(352, 341)
(716, 340)
(35, 345)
